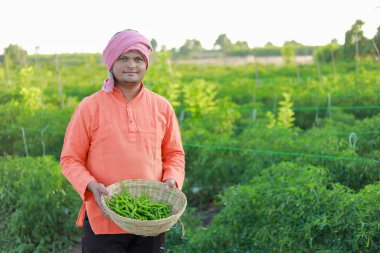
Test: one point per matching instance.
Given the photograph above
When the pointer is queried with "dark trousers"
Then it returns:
(117, 243)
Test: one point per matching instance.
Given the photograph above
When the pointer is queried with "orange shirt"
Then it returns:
(109, 140)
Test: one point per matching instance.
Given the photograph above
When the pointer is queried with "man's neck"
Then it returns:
(129, 91)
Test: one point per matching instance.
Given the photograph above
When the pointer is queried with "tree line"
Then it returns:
(355, 46)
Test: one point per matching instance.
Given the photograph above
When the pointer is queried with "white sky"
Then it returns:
(58, 26)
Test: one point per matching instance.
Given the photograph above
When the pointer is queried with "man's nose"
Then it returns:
(130, 63)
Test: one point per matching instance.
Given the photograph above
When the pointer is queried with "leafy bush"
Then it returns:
(353, 152)
(38, 207)
(229, 160)
(44, 130)
(204, 165)
(291, 208)
(187, 226)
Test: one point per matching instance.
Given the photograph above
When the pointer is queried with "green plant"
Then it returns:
(285, 116)
(38, 207)
(291, 208)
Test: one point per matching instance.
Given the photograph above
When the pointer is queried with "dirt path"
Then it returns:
(76, 249)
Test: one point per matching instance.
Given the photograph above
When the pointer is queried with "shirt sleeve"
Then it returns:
(75, 148)
(173, 155)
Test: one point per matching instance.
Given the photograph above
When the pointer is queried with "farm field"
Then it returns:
(235, 61)
(279, 158)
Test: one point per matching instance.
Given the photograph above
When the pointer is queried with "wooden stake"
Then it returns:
(24, 138)
(59, 82)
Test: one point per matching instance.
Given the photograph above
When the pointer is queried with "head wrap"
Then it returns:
(121, 43)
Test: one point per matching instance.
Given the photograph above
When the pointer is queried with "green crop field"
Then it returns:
(278, 158)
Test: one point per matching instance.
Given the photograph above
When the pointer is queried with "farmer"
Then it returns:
(123, 131)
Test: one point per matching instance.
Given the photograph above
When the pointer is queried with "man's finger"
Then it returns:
(102, 208)
(170, 183)
(103, 190)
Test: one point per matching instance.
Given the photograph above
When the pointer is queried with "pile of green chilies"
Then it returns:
(138, 208)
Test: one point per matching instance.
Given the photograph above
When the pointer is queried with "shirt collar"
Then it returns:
(117, 92)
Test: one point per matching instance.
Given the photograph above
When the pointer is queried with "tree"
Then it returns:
(376, 41)
(240, 48)
(269, 44)
(376, 38)
(15, 55)
(327, 53)
(355, 43)
(191, 48)
(241, 45)
(355, 34)
(153, 42)
(288, 52)
(223, 43)
(163, 48)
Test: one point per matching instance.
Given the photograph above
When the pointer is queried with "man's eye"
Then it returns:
(123, 59)
(139, 59)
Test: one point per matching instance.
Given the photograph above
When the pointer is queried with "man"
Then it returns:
(124, 131)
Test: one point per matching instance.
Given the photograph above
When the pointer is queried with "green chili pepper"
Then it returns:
(140, 208)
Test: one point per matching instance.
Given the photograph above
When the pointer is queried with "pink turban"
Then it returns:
(121, 43)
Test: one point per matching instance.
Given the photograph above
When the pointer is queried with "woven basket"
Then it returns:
(156, 191)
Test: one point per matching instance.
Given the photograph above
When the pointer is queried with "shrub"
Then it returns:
(38, 207)
(291, 208)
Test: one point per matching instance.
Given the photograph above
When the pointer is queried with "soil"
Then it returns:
(76, 249)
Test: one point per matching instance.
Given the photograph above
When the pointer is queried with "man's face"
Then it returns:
(129, 68)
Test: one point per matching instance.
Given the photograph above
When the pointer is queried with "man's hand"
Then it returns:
(97, 189)
(170, 183)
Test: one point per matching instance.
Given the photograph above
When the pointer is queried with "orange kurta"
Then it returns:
(109, 140)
